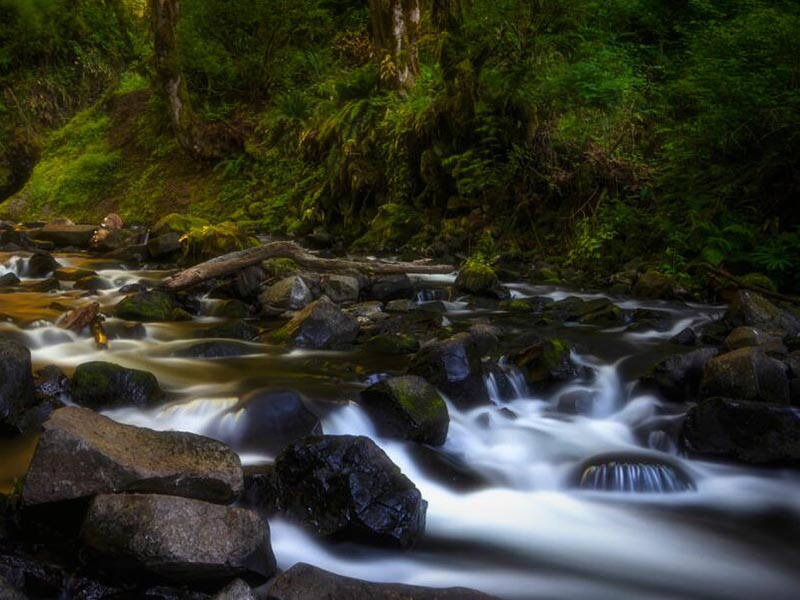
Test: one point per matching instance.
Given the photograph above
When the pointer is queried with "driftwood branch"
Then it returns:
(236, 261)
(755, 288)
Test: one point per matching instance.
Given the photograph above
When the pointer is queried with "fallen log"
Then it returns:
(236, 261)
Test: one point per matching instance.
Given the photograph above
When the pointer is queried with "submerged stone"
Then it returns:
(149, 306)
(638, 473)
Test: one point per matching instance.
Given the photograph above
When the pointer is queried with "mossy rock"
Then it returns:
(546, 362)
(408, 408)
(209, 241)
(100, 385)
(392, 227)
(279, 268)
(320, 325)
(759, 280)
(177, 223)
(392, 343)
(477, 278)
(150, 306)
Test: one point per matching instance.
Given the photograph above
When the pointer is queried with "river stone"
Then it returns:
(746, 374)
(305, 582)
(79, 236)
(392, 287)
(82, 453)
(346, 488)
(101, 385)
(9, 280)
(214, 350)
(545, 363)
(750, 308)
(454, 366)
(235, 590)
(320, 325)
(652, 284)
(72, 274)
(290, 293)
(342, 289)
(93, 283)
(149, 306)
(392, 344)
(478, 279)
(752, 432)
(164, 244)
(408, 408)
(40, 264)
(236, 329)
(181, 539)
(638, 472)
(17, 391)
(607, 315)
(678, 377)
(266, 420)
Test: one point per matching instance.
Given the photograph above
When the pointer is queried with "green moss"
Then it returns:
(279, 268)
(209, 241)
(422, 404)
(759, 280)
(392, 343)
(391, 228)
(149, 306)
(178, 223)
(476, 277)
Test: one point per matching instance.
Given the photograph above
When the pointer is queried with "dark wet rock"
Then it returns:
(644, 320)
(266, 421)
(291, 293)
(120, 330)
(63, 235)
(448, 469)
(180, 539)
(40, 580)
(402, 306)
(17, 392)
(72, 274)
(134, 252)
(546, 362)
(576, 402)
(260, 489)
(230, 309)
(214, 350)
(408, 408)
(101, 385)
(9, 280)
(42, 286)
(392, 343)
(82, 453)
(51, 383)
(534, 305)
(392, 287)
(342, 289)
(486, 337)
(346, 488)
(652, 284)
(454, 367)
(480, 280)
(746, 337)
(320, 325)
(235, 590)
(149, 306)
(40, 264)
(304, 582)
(236, 329)
(574, 309)
(166, 244)
(632, 472)
(12, 237)
(678, 377)
(746, 374)
(93, 283)
(685, 337)
(606, 314)
(366, 309)
(752, 309)
(752, 432)
(132, 288)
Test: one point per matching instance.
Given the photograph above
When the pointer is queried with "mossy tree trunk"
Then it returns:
(395, 26)
(189, 129)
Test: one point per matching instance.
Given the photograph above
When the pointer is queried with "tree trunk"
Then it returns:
(236, 261)
(395, 28)
(188, 129)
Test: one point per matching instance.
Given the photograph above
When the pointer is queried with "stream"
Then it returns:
(513, 522)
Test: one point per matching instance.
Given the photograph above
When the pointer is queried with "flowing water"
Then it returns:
(530, 503)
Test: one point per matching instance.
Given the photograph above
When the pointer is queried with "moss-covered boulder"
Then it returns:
(752, 309)
(408, 408)
(290, 293)
(177, 223)
(546, 362)
(746, 374)
(392, 343)
(149, 306)
(101, 385)
(759, 280)
(479, 279)
(652, 284)
(320, 325)
(209, 241)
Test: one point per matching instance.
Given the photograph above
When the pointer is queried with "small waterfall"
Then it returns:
(506, 382)
(648, 478)
(15, 264)
(430, 295)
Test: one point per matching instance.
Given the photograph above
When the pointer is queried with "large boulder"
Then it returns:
(82, 453)
(752, 432)
(454, 366)
(79, 236)
(346, 488)
(545, 363)
(408, 408)
(290, 293)
(17, 391)
(102, 385)
(40, 264)
(752, 309)
(320, 325)
(392, 344)
(149, 306)
(746, 374)
(678, 377)
(392, 287)
(266, 421)
(304, 582)
(180, 539)
(479, 279)
(652, 284)
(235, 590)
(342, 289)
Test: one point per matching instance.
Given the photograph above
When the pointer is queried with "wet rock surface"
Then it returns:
(16, 384)
(101, 385)
(321, 325)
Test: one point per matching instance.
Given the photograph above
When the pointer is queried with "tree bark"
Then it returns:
(395, 28)
(236, 261)
(189, 130)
